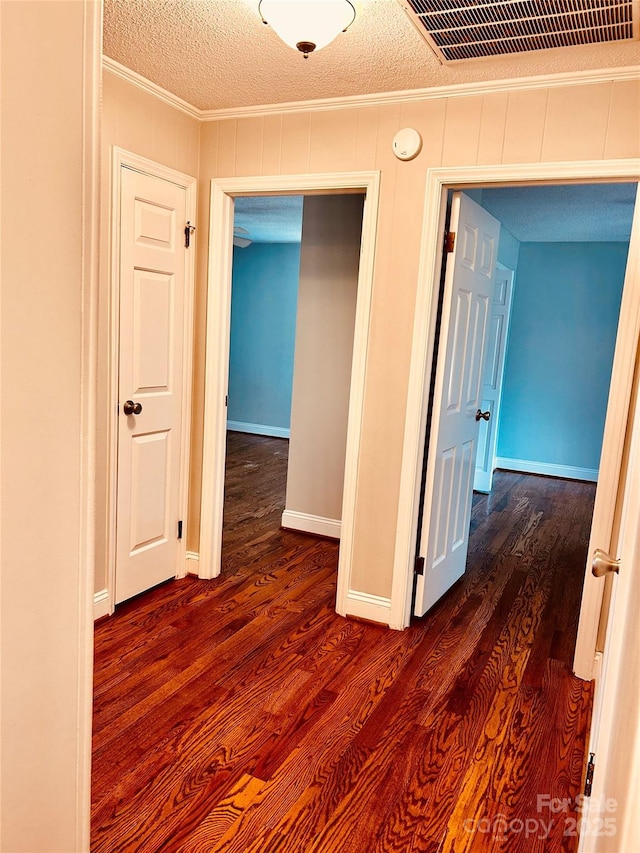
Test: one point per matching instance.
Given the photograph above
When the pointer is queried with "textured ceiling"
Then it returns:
(589, 213)
(218, 54)
(269, 219)
(554, 214)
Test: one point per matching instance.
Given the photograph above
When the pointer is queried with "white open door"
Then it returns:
(608, 820)
(493, 375)
(451, 453)
(151, 353)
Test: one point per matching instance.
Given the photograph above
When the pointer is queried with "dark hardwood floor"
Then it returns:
(243, 714)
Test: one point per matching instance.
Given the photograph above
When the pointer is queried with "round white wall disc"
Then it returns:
(407, 143)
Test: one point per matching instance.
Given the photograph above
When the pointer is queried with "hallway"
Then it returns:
(243, 714)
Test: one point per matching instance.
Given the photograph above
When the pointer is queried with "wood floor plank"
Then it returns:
(244, 715)
(362, 686)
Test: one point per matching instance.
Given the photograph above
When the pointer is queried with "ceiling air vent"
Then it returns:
(468, 29)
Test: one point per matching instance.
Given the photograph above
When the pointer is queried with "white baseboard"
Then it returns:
(568, 472)
(375, 608)
(311, 523)
(258, 429)
(101, 605)
(193, 560)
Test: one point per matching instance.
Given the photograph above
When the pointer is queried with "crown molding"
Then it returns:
(458, 90)
(150, 88)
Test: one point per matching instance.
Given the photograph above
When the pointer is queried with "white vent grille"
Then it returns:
(468, 29)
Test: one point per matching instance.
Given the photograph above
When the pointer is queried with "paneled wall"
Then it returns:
(573, 122)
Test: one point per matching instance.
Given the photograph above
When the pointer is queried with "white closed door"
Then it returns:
(152, 305)
(451, 451)
(492, 382)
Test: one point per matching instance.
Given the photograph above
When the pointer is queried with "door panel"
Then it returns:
(453, 441)
(493, 375)
(152, 304)
(150, 464)
(477, 344)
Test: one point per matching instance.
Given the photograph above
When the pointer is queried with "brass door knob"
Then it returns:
(603, 564)
(482, 415)
(131, 408)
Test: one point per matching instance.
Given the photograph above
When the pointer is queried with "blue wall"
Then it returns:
(263, 328)
(563, 328)
(508, 249)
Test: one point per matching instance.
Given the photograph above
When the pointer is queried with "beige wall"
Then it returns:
(144, 125)
(327, 290)
(573, 122)
(578, 122)
(43, 436)
(46, 568)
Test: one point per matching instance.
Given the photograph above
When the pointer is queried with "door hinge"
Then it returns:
(188, 231)
(588, 782)
(418, 568)
(449, 241)
(180, 530)
(226, 400)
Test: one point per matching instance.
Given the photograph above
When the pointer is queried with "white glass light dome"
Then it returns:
(307, 25)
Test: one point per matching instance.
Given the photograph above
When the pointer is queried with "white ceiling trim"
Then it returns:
(150, 88)
(605, 75)
(453, 91)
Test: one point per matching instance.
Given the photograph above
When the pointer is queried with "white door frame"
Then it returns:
(223, 192)
(616, 689)
(121, 158)
(438, 182)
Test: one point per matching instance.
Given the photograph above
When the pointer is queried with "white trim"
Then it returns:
(306, 523)
(191, 564)
(615, 677)
(150, 88)
(258, 429)
(217, 353)
(121, 158)
(420, 370)
(101, 604)
(90, 175)
(604, 531)
(548, 469)
(363, 605)
(216, 381)
(598, 663)
(456, 90)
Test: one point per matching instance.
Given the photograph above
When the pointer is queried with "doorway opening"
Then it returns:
(570, 256)
(294, 292)
(438, 182)
(223, 195)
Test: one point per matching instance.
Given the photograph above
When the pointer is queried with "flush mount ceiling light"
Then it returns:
(307, 25)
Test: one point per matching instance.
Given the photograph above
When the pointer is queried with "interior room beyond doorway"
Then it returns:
(293, 304)
(567, 246)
